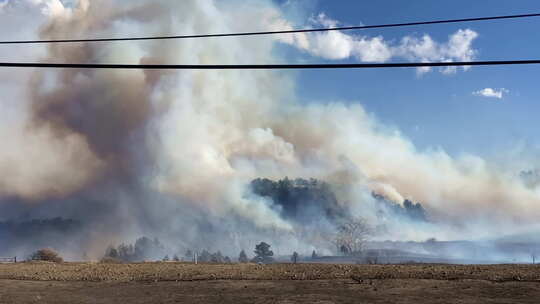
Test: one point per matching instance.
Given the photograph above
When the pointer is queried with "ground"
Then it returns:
(280, 283)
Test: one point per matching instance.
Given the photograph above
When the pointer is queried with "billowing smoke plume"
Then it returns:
(172, 154)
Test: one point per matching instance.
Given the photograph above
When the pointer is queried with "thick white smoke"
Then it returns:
(199, 137)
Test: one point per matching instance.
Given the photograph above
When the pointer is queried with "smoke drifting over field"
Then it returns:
(172, 154)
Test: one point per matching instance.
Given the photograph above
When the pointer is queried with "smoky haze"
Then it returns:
(173, 154)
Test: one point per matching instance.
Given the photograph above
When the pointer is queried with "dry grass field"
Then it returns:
(279, 283)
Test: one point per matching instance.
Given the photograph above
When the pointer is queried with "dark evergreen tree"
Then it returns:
(263, 254)
(294, 257)
(146, 248)
(243, 258)
(126, 252)
(111, 252)
(205, 256)
(216, 257)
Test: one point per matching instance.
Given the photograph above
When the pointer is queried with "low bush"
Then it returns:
(109, 260)
(47, 255)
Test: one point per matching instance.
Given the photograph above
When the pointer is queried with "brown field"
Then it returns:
(279, 283)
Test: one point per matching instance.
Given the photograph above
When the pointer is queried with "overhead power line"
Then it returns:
(263, 66)
(347, 28)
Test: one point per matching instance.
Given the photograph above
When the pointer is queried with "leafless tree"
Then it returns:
(351, 236)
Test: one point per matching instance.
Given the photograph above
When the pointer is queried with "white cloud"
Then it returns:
(492, 93)
(336, 45)
(425, 49)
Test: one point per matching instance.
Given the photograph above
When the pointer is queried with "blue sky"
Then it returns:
(434, 109)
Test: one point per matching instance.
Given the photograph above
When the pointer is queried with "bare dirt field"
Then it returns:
(279, 283)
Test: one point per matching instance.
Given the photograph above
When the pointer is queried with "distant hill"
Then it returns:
(17, 236)
(303, 200)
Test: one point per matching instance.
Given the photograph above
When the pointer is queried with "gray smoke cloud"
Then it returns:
(171, 154)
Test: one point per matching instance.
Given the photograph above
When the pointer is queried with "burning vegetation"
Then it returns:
(308, 203)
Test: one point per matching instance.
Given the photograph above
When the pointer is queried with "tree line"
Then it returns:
(146, 249)
(299, 198)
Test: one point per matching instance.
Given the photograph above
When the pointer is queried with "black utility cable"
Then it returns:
(362, 27)
(263, 66)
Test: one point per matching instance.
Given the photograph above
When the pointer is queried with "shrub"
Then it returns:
(48, 255)
(110, 260)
